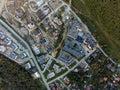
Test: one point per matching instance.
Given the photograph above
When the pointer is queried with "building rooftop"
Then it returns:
(36, 75)
(22, 55)
(65, 57)
(14, 46)
(7, 41)
(2, 36)
(52, 74)
(42, 59)
(75, 29)
(74, 48)
(43, 40)
(13, 55)
(36, 50)
(36, 32)
(2, 48)
(27, 66)
(40, 2)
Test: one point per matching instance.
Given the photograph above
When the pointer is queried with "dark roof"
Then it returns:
(37, 31)
(12, 55)
(49, 49)
(7, 40)
(22, 55)
(90, 42)
(14, 46)
(1, 34)
(43, 41)
(79, 39)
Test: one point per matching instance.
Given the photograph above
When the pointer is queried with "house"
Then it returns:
(2, 36)
(43, 41)
(84, 66)
(14, 46)
(74, 48)
(51, 75)
(57, 21)
(65, 57)
(36, 50)
(40, 2)
(31, 25)
(36, 32)
(42, 59)
(27, 66)
(90, 44)
(13, 55)
(7, 41)
(49, 48)
(66, 80)
(22, 55)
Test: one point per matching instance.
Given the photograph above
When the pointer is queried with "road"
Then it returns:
(84, 57)
(31, 54)
(82, 60)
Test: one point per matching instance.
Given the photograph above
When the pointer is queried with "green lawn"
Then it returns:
(72, 65)
(46, 73)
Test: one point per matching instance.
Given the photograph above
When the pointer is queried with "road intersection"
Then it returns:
(49, 62)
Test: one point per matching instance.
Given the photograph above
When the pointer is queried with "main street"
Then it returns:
(31, 54)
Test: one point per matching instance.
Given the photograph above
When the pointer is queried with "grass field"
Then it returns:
(103, 19)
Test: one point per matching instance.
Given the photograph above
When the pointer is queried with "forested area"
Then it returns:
(14, 77)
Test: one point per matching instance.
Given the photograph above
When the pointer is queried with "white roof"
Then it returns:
(2, 49)
(36, 75)
(40, 2)
(27, 65)
(36, 50)
(52, 74)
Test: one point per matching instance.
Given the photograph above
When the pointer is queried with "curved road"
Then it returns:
(31, 54)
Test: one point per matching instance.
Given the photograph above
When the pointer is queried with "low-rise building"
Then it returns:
(14, 46)
(28, 66)
(65, 57)
(74, 48)
(2, 36)
(51, 75)
(36, 75)
(36, 50)
(7, 41)
(2, 48)
(13, 56)
(23, 55)
(42, 59)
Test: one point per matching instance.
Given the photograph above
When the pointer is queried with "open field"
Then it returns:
(102, 18)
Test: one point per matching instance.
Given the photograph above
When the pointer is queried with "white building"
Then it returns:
(50, 75)
(40, 2)
(2, 49)
(36, 75)
(36, 50)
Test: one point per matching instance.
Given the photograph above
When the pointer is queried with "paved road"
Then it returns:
(34, 59)
(32, 56)
(82, 60)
